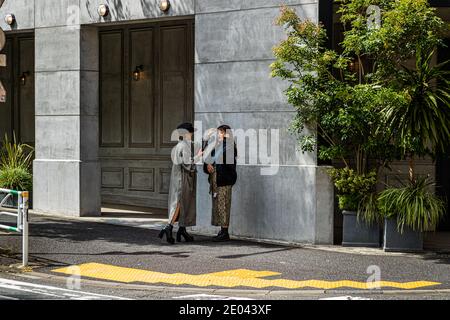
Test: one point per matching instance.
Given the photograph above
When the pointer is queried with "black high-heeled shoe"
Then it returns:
(182, 232)
(168, 232)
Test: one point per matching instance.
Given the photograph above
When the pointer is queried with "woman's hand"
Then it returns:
(210, 168)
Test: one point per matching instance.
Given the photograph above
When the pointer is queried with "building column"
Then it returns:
(233, 86)
(66, 170)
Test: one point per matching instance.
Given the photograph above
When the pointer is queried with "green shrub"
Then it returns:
(15, 154)
(16, 179)
(368, 209)
(15, 165)
(352, 187)
(347, 181)
(348, 202)
(414, 205)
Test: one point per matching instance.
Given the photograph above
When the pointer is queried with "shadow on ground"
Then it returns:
(50, 230)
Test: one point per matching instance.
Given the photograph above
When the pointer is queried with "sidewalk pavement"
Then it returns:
(99, 249)
(157, 220)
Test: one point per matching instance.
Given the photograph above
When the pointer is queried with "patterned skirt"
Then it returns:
(221, 202)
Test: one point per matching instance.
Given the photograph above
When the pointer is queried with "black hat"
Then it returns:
(186, 126)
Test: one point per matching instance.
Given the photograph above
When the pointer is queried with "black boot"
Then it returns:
(222, 236)
(168, 232)
(219, 234)
(182, 232)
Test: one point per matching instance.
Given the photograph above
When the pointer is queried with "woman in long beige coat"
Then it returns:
(183, 181)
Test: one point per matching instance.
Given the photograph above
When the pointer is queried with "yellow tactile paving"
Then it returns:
(227, 279)
(244, 274)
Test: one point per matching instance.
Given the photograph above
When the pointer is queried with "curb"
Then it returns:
(260, 292)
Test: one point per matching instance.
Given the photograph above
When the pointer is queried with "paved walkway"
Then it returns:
(129, 255)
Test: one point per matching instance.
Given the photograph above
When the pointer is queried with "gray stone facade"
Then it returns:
(233, 51)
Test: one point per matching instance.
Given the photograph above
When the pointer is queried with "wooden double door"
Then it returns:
(17, 113)
(146, 90)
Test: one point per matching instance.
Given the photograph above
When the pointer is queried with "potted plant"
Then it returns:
(362, 106)
(361, 228)
(15, 169)
(338, 115)
(409, 211)
(420, 126)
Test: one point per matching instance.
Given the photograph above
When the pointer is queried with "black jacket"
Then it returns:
(226, 172)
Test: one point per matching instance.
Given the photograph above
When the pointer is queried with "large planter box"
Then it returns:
(394, 241)
(359, 234)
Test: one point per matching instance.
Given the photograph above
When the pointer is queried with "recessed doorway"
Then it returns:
(17, 113)
(146, 90)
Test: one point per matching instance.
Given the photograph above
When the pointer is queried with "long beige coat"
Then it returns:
(183, 184)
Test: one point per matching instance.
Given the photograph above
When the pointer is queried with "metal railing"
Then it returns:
(21, 218)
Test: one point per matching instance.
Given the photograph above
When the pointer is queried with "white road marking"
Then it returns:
(346, 298)
(7, 298)
(208, 297)
(54, 292)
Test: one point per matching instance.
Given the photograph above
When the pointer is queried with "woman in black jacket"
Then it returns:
(221, 168)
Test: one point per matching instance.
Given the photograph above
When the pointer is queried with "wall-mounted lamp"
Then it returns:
(164, 5)
(10, 19)
(103, 10)
(354, 67)
(23, 77)
(137, 72)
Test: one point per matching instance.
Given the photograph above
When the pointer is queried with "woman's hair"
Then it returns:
(224, 128)
(187, 126)
(227, 129)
